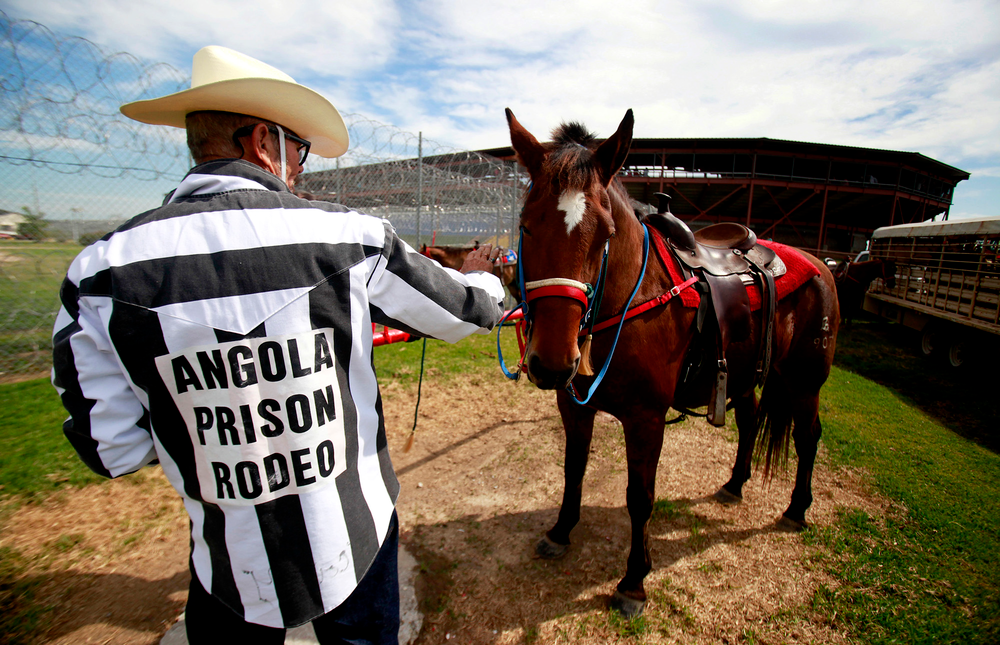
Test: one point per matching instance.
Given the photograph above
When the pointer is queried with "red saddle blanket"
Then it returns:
(798, 270)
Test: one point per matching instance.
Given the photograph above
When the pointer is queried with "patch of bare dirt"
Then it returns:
(20, 378)
(482, 483)
(110, 559)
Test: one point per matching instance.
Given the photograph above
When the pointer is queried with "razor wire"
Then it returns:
(71, 162)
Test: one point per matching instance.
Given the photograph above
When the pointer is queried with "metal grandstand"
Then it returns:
(819, 197)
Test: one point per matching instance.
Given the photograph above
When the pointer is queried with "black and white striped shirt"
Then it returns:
(228, 334)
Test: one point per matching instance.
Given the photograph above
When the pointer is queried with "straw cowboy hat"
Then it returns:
(228, 81)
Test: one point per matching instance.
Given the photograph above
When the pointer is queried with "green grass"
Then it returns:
(929, 571)
(30, 276)
(473, 357)
(35, 457)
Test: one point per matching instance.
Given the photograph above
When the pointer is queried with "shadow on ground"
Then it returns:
(86, 599)
(527, 591)
(963, 399)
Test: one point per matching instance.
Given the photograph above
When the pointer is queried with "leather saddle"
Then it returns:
(720, 249)
(727, 259)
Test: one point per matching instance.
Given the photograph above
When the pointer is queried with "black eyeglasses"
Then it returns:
(303, 148)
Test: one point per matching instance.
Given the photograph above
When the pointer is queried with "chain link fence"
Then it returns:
(72, 168)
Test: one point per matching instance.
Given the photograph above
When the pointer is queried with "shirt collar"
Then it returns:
(223, 175)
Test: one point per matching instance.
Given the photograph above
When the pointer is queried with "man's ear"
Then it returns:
(259, 143)
(259, 147)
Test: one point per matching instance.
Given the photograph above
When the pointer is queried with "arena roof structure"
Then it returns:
(819, 197)
(823, 198)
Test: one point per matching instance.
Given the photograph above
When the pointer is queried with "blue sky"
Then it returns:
(914, 75)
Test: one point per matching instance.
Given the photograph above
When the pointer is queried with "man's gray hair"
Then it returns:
(210, 133)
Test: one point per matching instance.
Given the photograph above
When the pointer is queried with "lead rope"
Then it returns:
(600, 375)
(586, 365)
(416, 409)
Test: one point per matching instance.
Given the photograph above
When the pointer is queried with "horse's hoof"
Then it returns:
(549, 550)
(723, 496)
(627, 607)
(786, 523)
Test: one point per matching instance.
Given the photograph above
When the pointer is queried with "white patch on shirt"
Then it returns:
(265, 416)
(573, 203)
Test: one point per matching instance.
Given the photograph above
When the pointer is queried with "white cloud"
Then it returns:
(919, 75)
(332, 38)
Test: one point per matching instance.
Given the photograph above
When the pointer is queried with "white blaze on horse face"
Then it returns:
(573, 203)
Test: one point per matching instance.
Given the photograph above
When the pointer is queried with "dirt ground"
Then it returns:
(480, 486)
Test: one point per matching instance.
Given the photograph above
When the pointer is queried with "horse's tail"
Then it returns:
(774, 425)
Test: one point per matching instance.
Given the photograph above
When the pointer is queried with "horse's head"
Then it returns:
(447, 256)
(565, 224)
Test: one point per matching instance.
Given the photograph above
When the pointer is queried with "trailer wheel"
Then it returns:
(929, 340)
(957, 352)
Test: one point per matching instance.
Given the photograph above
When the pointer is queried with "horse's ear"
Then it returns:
(529, 152)
(610, 156)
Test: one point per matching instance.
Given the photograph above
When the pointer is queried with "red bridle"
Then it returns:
(558, 287)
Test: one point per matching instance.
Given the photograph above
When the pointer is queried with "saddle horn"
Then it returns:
(670, 225)
(662, 202)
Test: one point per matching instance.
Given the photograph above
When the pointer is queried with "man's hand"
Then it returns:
(482, 259)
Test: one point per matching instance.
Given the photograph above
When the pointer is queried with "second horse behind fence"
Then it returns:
(452, 256)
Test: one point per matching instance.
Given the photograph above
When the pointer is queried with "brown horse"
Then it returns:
(853, 280)
(574, 209)
(452, 256)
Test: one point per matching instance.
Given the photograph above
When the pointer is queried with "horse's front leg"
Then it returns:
(643, 441)
(578, 423)
(745, 409)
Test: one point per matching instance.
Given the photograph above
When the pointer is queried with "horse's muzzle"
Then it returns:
(553, 355)
(549, 378)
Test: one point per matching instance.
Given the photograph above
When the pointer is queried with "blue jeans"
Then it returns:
(369, 616)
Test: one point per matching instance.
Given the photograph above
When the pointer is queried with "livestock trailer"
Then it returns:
(947, 285)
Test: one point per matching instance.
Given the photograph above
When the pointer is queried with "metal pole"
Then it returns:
(76, 224)
(500, 208)
(753, 175)
(514, 196)
(420, 179)
(822, 221)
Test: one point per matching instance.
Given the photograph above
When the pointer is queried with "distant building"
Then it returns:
(824, 198)
(819, 197)
(9, 222)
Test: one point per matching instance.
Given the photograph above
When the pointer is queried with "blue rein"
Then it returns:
(521, 305)
(589, 316)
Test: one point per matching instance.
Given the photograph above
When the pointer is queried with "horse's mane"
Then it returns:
(573, 132)
(572, 151)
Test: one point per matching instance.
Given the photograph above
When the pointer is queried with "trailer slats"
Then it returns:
(949, 270)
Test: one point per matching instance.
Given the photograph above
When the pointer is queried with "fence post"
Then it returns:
(420, 180)
(513, 205)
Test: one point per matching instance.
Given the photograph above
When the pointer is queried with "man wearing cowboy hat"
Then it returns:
(227, 335)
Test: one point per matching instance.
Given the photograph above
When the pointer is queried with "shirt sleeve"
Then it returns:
(108, 425)
(411, 292)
